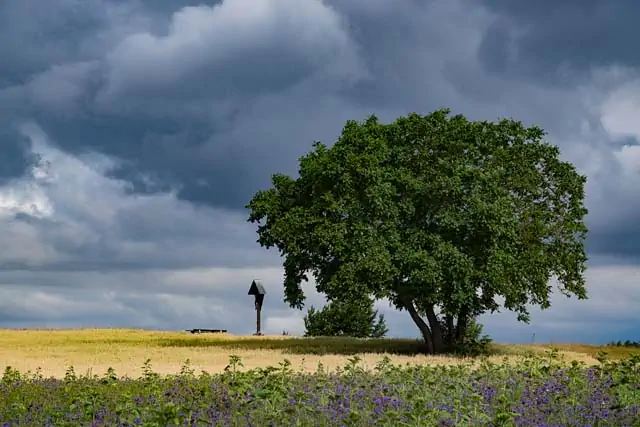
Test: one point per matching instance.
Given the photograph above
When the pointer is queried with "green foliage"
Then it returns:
(350, 318)
(472, 343)
(627, 343)
(441, 215)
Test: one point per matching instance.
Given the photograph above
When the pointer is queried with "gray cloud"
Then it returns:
(228, 51)
(559, 42)
(157, 120)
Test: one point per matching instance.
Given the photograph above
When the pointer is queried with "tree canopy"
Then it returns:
(447, 218)
(346, 318)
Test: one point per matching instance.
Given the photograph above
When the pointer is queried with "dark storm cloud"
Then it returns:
(14, 157)
(157, 85)
(560, 41)
(38, 35)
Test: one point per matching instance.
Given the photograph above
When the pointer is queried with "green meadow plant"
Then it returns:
(538, 391)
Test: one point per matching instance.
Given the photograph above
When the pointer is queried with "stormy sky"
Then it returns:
(133, 132)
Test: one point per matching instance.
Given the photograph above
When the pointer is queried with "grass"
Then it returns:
(126, 350)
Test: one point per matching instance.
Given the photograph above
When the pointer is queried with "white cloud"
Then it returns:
(219, 49)
(621, 111)
(629, 158)
(81, 215)
(292, 324)
(620, 117)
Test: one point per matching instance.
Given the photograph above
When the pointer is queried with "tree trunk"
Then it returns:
(436, 331)
(461, 327)
(421, 324)
(450, 337)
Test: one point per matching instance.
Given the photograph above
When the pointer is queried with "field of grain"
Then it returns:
(93, 351)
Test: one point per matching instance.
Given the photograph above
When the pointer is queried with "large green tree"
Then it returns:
(447, 218)
(346, 318)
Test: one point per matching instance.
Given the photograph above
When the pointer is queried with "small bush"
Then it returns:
(472, 343)
(353, 319)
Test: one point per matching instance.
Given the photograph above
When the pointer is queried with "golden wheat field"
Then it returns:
(93, 351)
